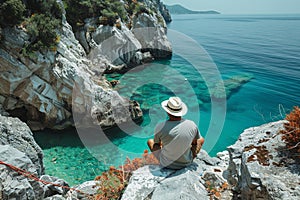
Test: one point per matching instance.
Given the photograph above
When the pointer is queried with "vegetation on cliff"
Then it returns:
(113, 182)
(40, 19)
(291, 134)
(106, 12)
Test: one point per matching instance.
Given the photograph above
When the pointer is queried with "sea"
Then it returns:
(232, 71)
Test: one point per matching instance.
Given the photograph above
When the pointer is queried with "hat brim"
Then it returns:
(180, 113)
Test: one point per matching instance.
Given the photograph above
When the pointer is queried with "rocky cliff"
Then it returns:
(257, 166)
(18, 148)
(44, 88)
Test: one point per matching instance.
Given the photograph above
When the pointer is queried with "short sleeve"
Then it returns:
(157, 133)
(197, 134)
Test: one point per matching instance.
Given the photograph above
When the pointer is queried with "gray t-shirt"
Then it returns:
(176, 138)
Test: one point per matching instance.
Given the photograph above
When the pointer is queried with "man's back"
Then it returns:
(176, 137)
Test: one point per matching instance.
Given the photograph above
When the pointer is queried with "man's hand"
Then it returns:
(196, 146)
(156, 147)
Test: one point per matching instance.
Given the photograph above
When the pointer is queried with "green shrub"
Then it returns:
(48, 7)
(141, 8)
(78, 10)
(108, 17)
(108, 11)
(11, 12)
(42, 29)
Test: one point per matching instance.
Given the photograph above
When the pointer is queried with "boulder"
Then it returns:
(144, 181)
(181, 186)
(151, 36)
(14, 185)
(154, 182)
(118, 46)
(55, 197)
(260, 167)
(17, 134)
(51, 190)
(88, 188)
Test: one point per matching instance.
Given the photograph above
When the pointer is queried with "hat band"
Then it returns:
(174, 109)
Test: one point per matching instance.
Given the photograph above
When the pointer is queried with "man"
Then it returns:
(177, 141)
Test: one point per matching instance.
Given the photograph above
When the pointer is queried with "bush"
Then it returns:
(291, 134)
(133, 7)
(48, 7)
(113, 182)
(108, 17)
(78, 10)
(11, 12)
(42, 29)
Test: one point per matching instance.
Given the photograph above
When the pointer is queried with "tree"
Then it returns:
(42, 29)
(11, 12)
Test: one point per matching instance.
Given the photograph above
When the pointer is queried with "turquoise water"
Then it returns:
(265, 47)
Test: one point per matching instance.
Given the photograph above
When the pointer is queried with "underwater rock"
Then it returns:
(230, 85)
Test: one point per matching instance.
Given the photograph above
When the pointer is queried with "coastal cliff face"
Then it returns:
(39, 88)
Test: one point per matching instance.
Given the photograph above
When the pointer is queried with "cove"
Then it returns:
(265, 47)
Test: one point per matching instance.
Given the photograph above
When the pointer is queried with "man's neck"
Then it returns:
(173, 118)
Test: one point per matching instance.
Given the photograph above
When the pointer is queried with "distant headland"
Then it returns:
(178, 9)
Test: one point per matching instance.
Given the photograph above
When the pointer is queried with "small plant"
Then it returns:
(215, 191)
(113, 182)
(291, 134)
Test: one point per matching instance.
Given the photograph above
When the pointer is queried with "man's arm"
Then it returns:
(196, 146)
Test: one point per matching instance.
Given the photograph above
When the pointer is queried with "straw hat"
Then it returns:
(174, 106)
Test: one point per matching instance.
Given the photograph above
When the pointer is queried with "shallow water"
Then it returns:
(266, 47)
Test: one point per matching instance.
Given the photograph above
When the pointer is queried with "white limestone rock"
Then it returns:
(259, 166)
(14, 185)
(17, 134)
(40, 89)
(118, 46)
(151, 36)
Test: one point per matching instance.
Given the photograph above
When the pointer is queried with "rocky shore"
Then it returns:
(45, 87)
(255, 167)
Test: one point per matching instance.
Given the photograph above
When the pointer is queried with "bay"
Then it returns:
(265, 47)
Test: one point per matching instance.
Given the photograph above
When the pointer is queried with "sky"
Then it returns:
(241, 6)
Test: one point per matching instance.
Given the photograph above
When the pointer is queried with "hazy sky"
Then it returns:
(241, 6)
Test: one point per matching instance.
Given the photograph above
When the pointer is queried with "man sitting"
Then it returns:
(177, 141)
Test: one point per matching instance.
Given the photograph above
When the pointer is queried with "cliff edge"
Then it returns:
(255, 167)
